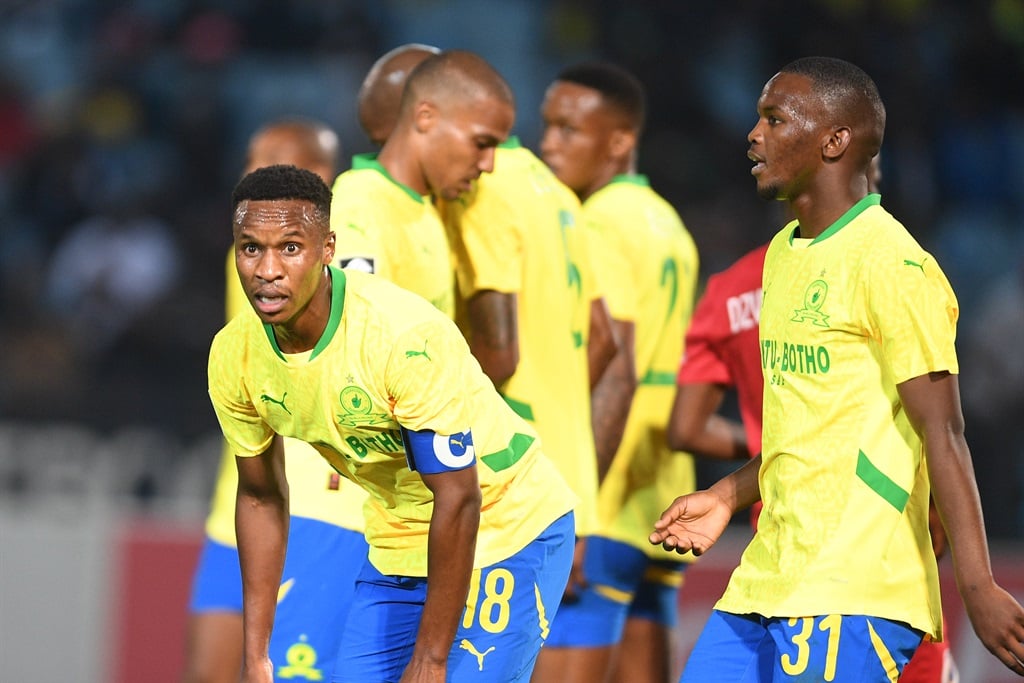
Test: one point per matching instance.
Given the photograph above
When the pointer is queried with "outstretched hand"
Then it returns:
(998, 619)
(692, 523)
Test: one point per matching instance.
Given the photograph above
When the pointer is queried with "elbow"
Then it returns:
(681, 435)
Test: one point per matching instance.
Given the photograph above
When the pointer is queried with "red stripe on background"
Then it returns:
(153, 577)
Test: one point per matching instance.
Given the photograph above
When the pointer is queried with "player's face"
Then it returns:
(577, 135)
(785, 143)
(461, 144)
(280, 252)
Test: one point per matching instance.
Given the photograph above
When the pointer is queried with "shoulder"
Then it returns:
(375, 298)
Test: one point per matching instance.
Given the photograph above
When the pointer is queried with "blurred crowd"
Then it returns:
(123, 123)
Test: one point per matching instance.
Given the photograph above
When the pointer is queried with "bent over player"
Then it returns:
(469, 525)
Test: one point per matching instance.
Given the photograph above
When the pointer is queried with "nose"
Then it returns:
(486, 163)
(547, 141)
(268, 267)
(754, 133)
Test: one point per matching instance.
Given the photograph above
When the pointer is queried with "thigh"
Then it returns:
(841, 648)
(596, 617)
(377, 642)
(732, 648)
(510, 607)
(317, 587)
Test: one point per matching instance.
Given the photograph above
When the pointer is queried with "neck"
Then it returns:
(304, 330)
(396, 158)
(816, 211)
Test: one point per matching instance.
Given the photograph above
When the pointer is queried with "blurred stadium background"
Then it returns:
(122, 128)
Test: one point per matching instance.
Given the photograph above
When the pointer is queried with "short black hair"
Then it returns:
(617, 86)
(283, 182)
(843, 87)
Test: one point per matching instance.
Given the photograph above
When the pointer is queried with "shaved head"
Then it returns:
(380, 95)
(848, 95)
(304, 143)
(455, 77)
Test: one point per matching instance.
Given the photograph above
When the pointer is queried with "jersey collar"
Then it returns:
(871, 199)
(369, 161)
(337, 306)
(631, 179)
(511, 142)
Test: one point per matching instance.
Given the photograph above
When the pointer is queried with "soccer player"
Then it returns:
(722, 351)
(529, 296)
(861, 421)
(469, 524)
(454, 111)
(380, 95)
(326, 511)
(593, 115)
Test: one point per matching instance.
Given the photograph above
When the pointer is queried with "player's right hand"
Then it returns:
(692, 523)
(261, 671)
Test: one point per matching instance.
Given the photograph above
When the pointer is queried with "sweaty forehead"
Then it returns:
(788, 91)
(278, 212)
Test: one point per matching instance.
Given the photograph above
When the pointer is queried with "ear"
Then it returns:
(329, 243)
(622, 143)
(425, 116)
(835, 143)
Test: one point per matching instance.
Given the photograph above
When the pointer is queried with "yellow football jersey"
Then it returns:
(324, 495)
(641, 239)
(387, 228)
(845, 488)
(515, 232)
(388, 365)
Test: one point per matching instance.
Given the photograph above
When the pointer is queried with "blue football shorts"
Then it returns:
(622, 582)
(835, 648)
(508, 611)
(313, 601)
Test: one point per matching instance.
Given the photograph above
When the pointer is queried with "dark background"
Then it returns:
(123, 125)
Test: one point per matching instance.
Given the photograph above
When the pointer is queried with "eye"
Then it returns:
(249, 249)
(291, 248)
(773, 120)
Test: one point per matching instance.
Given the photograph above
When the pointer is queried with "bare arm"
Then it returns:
(932, 403)
(695, 426)
(612, 397)
(451, 546)
(261, 525)
(694, 522)
(494, 333)
(602, 344)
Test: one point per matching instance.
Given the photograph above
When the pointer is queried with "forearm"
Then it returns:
(261, 528)
(740, 489)
(955, 493)
(601, 342)
(610, 403)
(451, 548)
(721, 438)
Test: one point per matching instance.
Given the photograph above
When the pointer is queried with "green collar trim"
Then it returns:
(511, 142)
(369, 161)
(871, 199)
(632, 179)
(337, 306)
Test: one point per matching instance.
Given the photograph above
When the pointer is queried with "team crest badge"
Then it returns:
(814, 299)
(358, 408)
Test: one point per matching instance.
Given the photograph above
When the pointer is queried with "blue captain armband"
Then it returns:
(428, 452)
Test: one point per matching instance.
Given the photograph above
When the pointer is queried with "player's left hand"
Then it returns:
(998, 619)
(692, 523)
